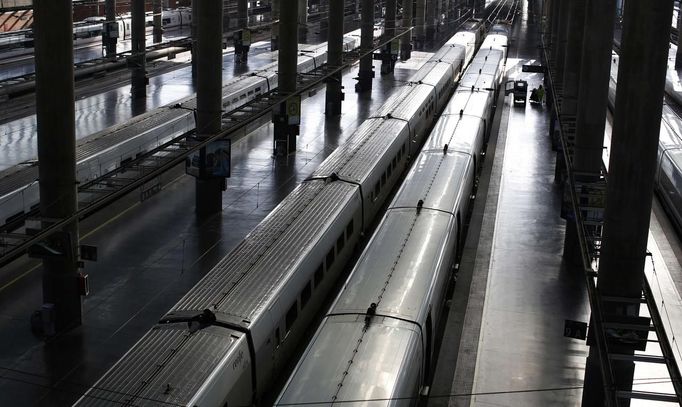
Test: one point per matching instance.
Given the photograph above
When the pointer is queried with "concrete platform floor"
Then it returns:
(151, 253)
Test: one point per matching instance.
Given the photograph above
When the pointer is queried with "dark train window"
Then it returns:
(319, 275)
(339, 243)
(291, 315)
(277, 340)
(377, 189)
(388, 171)
(383, 179)
(305, 294)
(330, 259)
(349, 229)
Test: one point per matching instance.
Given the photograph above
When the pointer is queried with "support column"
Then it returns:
(274, 40)
(57, 156)
(193, 33)
(431, 10)
(573, 56)
(303, 21)
(366, 72)
(634, 146)
(110, 32)
(334, 95)
(559, 51)
(389, 53)
(158, 21)
(287, 119)
(406, 40)
(592, 101)
(678, 56)
(209, 189)
(138, 60)
(420, 25)
(242, 37)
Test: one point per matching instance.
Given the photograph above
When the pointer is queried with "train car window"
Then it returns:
(258, 89)
(319, 275)
(291, 316)
(349, 229)
(402, 150)
(277, 340)
(242, 96)
(383, 179)
(235, 100)
(340, 242)
(377, 189)
(330, 259)
(250, 93)
(305, 294)
(395, 162)
(388, 171)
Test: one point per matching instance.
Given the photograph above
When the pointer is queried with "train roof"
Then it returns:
(168, 365)
(380, 361)
(247, 281)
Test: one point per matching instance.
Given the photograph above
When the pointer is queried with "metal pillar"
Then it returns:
(158, 21)
(389, 53)
(366, 72)
(242, 37)
(406, 40)
(57, 156)
(632, 167)
(137, 61)
(431, 10)
(559, 50)
(573, 57)
(420, 25)
(302, 21)
(678, 56)
(592, 101)
(274, 40)
(193, 33)
(209, 189)
(110, 31)
(334, 95)
(287, 119)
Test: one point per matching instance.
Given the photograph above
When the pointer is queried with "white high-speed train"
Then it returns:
(90, 29)
(106, 150)
(375, 345)
(227, 340)
(668, 181)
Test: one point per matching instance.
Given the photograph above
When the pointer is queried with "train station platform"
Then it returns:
(151, 253)
(503, 342)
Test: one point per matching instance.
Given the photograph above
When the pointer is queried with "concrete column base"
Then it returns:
(388, 60)
(209, 195)
(364, 81)
(333, 102)
(405, 51)
(572, 244)
(302, 35)
(285, 135)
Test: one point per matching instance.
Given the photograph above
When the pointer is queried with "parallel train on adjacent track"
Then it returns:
(375, 345)
(106, 150)
(90, 29)
(228, 339)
